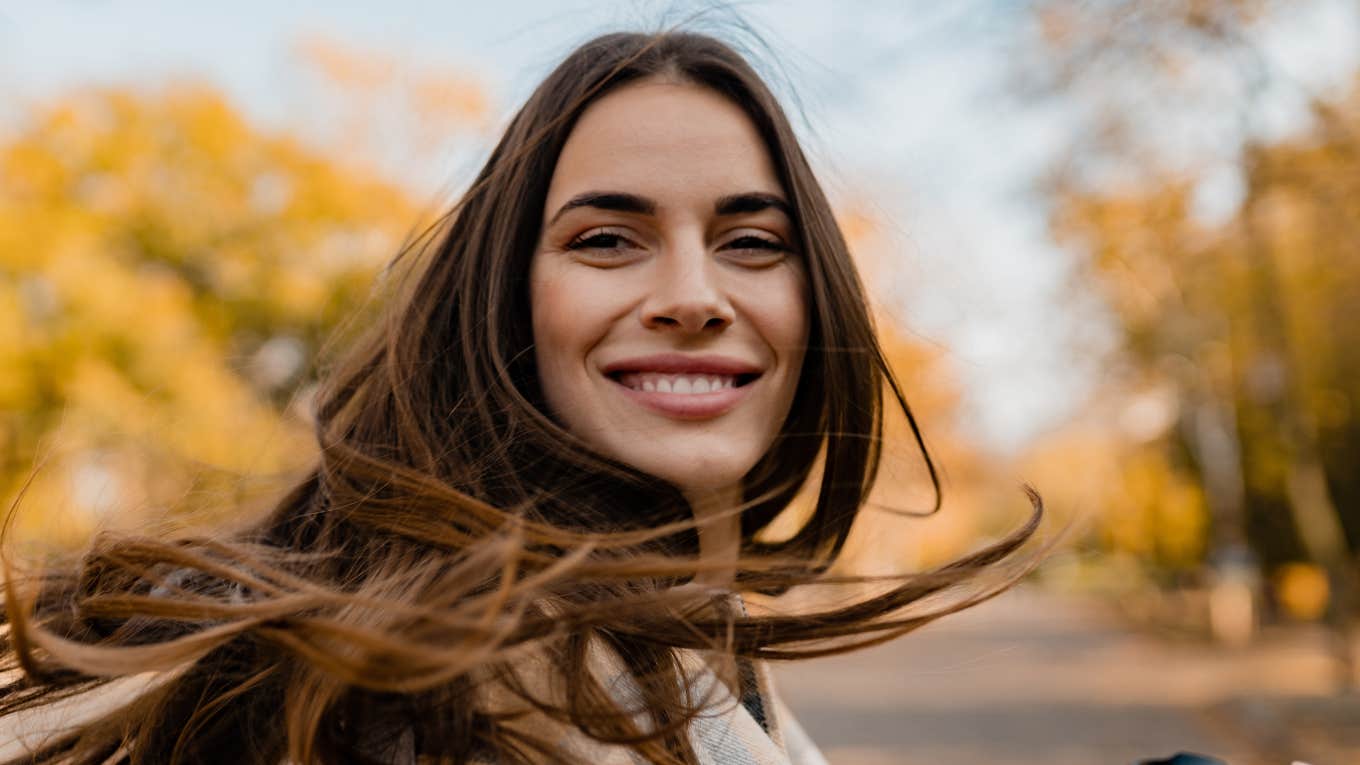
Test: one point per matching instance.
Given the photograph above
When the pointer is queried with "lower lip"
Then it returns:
(687, 406)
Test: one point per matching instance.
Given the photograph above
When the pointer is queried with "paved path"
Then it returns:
(1032, 678)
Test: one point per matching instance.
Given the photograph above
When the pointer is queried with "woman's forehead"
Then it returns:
(677, 143)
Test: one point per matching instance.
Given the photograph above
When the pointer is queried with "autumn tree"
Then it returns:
(167, 273)
(1243, 314)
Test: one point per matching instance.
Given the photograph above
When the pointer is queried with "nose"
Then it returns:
(686, 295)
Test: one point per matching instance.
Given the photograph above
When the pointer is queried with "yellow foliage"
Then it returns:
(1250, 321)
(1159, 513)
(1135, 502)
(1302, 590)
(150, 245)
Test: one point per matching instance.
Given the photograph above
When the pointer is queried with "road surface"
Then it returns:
(1035, 678)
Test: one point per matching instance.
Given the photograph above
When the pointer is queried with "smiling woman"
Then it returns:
(634, 343)
(669, 300)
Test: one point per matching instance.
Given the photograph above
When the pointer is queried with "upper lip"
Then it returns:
(683, 363)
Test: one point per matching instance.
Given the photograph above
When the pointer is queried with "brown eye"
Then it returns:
(604, 247)
(753, 250)
(600, 241)
(755, 243)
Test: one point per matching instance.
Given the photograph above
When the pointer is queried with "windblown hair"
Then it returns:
(452, 531)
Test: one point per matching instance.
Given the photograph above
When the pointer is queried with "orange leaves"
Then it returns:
(151, 247)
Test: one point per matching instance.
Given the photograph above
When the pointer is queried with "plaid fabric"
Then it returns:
(755, 730)
(749, 727)
(729, 733)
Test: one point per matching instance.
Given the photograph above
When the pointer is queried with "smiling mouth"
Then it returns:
(681, 384)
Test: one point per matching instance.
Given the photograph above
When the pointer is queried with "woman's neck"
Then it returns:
(719, 534)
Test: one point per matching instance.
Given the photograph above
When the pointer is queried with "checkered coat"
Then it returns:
(757, 729)
(744, 723)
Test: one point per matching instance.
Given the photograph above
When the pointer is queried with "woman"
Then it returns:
(542, 478)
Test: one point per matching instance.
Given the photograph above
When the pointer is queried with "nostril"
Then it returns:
(682, 317)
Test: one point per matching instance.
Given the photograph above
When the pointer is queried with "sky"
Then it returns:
(907, 108)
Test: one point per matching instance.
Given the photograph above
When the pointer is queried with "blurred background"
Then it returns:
(1114, 247)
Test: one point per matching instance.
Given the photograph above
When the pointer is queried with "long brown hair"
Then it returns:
(453, 533)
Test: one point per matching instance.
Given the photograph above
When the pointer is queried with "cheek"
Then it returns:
(571, 310)
(550, 308)
(788, 323)
(780, 311)
(793, 323)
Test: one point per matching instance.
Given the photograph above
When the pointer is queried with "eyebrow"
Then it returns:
(607, 200)
(751, 202)
(619, 201)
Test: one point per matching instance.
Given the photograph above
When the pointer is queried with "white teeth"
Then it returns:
(678, 384)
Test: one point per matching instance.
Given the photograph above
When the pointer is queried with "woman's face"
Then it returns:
(669, 305)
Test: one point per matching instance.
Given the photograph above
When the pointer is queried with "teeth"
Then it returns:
(678, 384)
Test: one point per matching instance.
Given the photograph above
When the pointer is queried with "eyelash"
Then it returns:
(752, 242)
(748, 242)
(584, 241)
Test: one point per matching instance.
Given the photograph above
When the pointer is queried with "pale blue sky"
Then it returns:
(906, 104)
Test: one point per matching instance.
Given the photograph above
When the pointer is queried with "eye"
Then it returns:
(752, 242)
(758, 250)
(603, 245)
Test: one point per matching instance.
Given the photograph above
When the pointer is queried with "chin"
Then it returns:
(701, 472)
